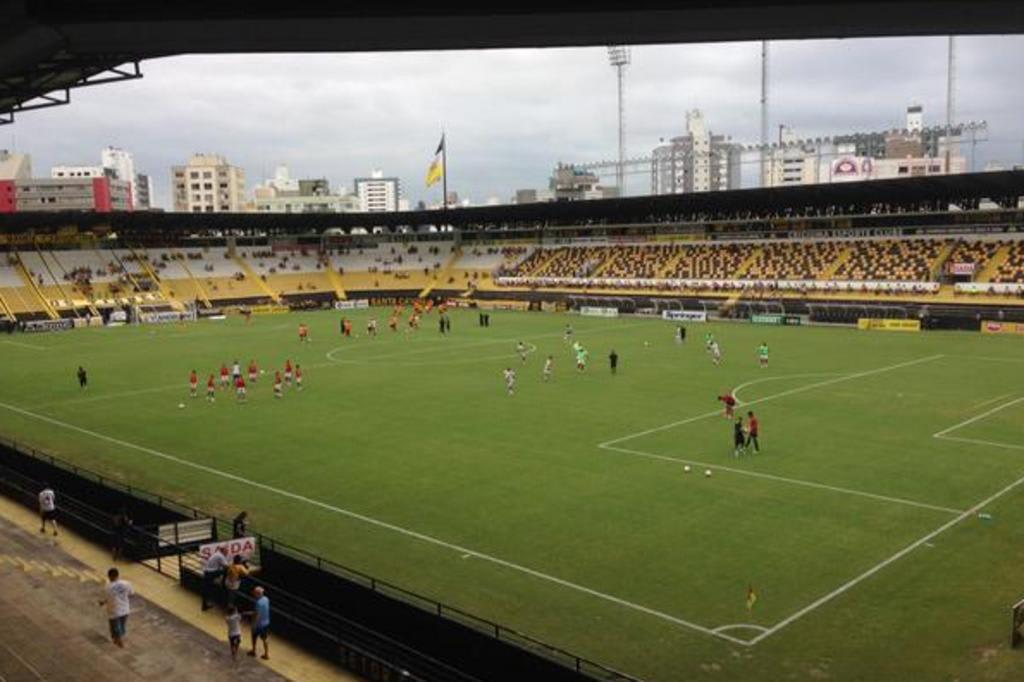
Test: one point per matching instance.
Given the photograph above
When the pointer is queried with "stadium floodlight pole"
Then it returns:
(950, 96)
(764, 108)
(618, 56)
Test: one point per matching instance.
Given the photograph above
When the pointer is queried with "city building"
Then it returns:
(912, 151)
(284, 194)
(572, 184)
(208, 184)
(15, 166)
(143, 195)
(698, 161)
(97, 194)
(80, 172)
(123, 165)
(377, 194)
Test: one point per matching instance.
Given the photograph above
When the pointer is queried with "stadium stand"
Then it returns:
(892, 260)
(1011, 270)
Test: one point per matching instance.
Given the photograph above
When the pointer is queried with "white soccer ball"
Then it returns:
(686, 468)
(647, 343)
(262, 372)
(181, 406)
(707, 472)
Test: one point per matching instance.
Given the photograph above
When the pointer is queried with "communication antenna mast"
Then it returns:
(618, 56)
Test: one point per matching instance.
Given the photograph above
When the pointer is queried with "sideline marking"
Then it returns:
(882, 564)
(19, 344)
(990, 401)
(799, 389)
(783, 479)
(383, 524)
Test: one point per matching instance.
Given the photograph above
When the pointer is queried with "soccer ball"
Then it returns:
(262, 372)
(647, 343)
(181, 406)
(686, 468)
(707, 472)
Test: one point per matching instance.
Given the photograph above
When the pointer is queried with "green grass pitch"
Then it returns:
(564, 511)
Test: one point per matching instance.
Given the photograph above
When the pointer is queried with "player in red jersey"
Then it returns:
(730, 404)
(753, 427)
(277, 384)
(211, 388)
(240, 389)
(298, 377)
(193, 384)
(254, 371)
(303, 332)
(348, 328)
(288, 372)
(225, 376)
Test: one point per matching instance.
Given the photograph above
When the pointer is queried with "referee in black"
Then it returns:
(613, 360)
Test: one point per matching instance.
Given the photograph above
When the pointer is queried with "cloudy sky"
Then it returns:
(510, 115)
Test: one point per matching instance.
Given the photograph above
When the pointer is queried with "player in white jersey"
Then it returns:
(510, 380)
(521, 349)
(549, 368)
(568, 333)
(716, 352)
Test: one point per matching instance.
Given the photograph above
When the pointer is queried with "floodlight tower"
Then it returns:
(764, 113)
(950, 95)
(618, 56)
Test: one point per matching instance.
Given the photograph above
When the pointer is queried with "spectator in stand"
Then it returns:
(122, 526)
(238, 569)
(213, 568)
(260, 622)
(116, 598)
(240, 526)
(47, 509)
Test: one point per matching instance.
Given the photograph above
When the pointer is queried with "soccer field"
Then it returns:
(564, 511)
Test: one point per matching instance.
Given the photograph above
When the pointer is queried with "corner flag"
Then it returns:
(436, 170)
(751, 597)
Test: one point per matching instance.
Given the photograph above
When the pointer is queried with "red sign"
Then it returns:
(229, 548)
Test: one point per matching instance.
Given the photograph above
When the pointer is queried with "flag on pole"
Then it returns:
(436, 170)
(751, 597)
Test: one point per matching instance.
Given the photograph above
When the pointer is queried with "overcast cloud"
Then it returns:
(510, 115)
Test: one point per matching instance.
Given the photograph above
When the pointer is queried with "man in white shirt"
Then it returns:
(213, 568)
(47, 508)
(116, 598)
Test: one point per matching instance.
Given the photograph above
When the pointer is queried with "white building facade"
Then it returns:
(208, 184)
(378, 194)
(699, 161)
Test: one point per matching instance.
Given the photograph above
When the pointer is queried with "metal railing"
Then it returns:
(101, 522)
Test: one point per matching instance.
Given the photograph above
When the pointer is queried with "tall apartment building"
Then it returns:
(123, 165)
(377, 194)
(143, 195)
(14, 166)
(96, 194)
(208, 184)
(699, 161)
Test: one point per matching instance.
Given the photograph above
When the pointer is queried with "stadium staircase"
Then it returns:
(5, 309)
(337, 283)
(64, 272)
(200, 289)
(745, 265)
(42, 303)
(56, 282)
(604, 264)
(143, 261)
(255, 278)
(670, 265)
(935, 268)
(547, 256)
(442, 274)
(992, 267)
(830, 271)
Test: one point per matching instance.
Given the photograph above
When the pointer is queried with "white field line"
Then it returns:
(882, 564)
(739, 626)
(976, 441)
(381, 524)
(784, 479)
(975, 418)
(19, 344)
(792, 391)
(988, 358)
(990, 401)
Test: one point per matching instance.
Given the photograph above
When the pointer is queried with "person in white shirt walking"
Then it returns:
(234, 621)
(213, 568)
(47, 508)
(117, 599)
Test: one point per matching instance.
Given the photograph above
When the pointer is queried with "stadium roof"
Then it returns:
(50, 46)
(902, 195)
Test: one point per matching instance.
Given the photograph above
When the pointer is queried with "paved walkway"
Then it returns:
(52, 628)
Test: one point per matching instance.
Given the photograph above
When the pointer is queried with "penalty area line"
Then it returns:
(423, 537)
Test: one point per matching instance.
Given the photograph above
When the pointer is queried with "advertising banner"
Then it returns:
(992, 327)
(229, 548)
(789, 320)
(34, 326)
(592, 311)
(351, 305)
(684, 316)
(889, 325)
(961, 268)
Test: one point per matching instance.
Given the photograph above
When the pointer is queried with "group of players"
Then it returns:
(291, 376)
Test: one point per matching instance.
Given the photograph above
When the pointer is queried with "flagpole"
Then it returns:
(444, 170)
